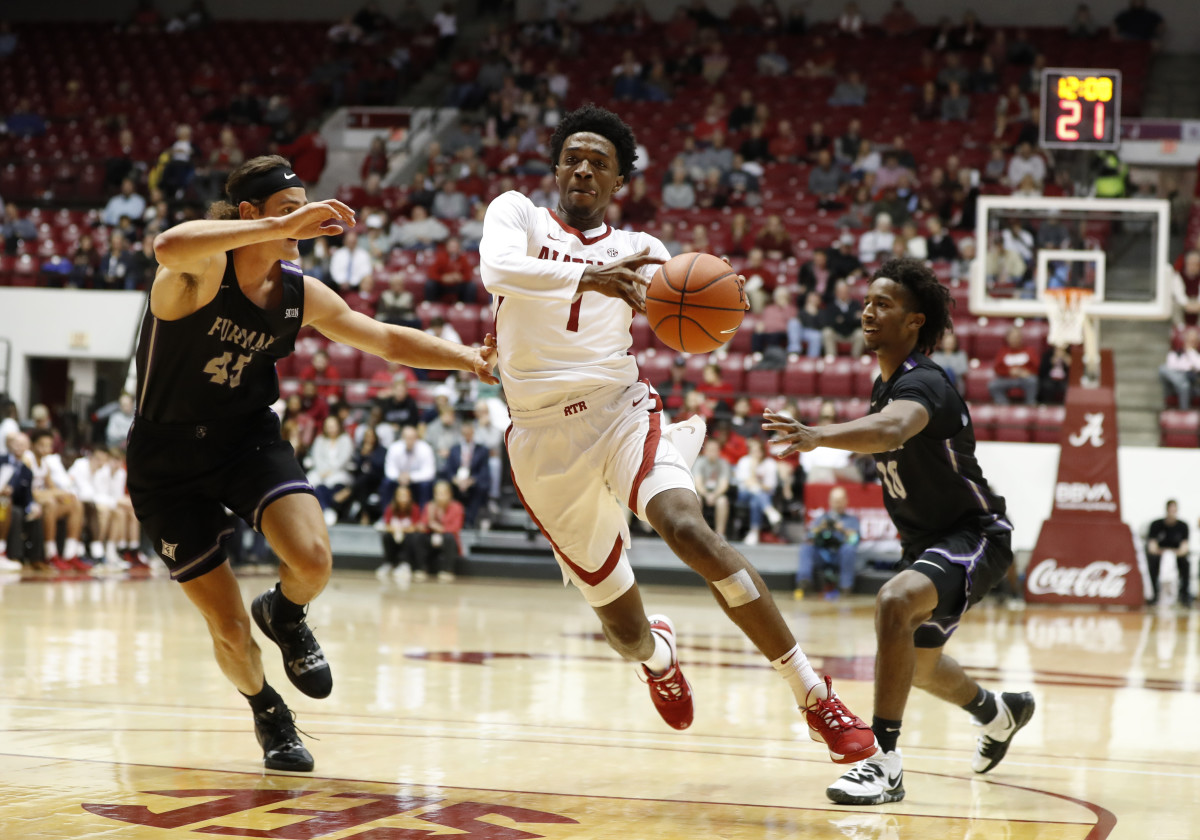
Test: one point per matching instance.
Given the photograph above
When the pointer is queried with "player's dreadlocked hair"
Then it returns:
(600, 121)
(930, 298)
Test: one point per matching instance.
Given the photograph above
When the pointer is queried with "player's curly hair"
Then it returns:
(930, 298)
(600, 121)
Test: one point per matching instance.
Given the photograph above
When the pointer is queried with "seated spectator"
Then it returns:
(876, 244)
(397, 406)
(816, 141)
(125, 203)
(403, 533)
(825, 465)
(953, 71)
(409, 461)
(443, 329)
(985, 79)
(451, 276)
(1186, 289)
(850, 21)
(679, 194)
(24, 121)
(850, 91)
(714, 156)
(743, 420)
(366, 474)
(842, 321)
(970, 36)
(915, 245)
(866, 163)
(1014, 369)
(804, 330)
(1019, 241)
(118, 269)
(772, 327)
(927, 108)
(326, 376)
(743, 113)
(1180, 373)
(1138, 23)
(774, 239)
(467, 469)
(1014, 114)
(827, 181)
(1028, 187)
(52, 491)
(676, 387)
(1053, 373)
(546, 194)
(657, 86)
(741, 240)
(785, 146)
(1082, 26)
(843, 262)
(329, 459)
(8, 40)
(376, 161)
(666, 235)
(712, 474)
(956, 105)
(350, 262)
(714, 387)
(627, 79)
(832, 544)
(419, 232)
(116, 430)
(396, 305)
(715, 63)
(899, 21)
(771, 61)
(756, 148)
(444, 523)
(639, 208)
(952, 359)
(449, 203)
(815, 274)
(756, 477)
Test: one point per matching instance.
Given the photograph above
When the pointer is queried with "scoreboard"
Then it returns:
(1081, 109)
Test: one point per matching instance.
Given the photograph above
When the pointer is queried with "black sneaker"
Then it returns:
(282, 748)
(1013, 711)
(303, 659)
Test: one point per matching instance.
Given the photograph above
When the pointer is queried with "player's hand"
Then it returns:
(320, 218)
(741, 281)
(485, 360)
(621, 279)
(800, 438)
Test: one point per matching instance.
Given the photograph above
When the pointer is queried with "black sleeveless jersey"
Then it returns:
(219, 362)
(932, 485)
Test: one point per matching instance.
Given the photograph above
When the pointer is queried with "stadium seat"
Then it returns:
(357, 392)
(983, 418)
(1014, 423)
(851, 409)
(345, 358)
(1179, 428)
(837, 378)
(989, 338)
(762, 382)
(800, 376)
(865, 371)
(733, 370)
(979, 376)
(1048, 423)
(655, 366)
(465, 320)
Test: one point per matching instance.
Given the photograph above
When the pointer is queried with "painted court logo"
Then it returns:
(233, 807)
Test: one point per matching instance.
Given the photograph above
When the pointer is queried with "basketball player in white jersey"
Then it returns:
(586, 438)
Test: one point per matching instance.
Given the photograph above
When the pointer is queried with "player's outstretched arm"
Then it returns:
(186, 248)
(329, 314)
(881, 432)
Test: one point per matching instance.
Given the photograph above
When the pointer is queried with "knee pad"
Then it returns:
(737, 589)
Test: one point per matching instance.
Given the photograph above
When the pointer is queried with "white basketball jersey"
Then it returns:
(554, 343)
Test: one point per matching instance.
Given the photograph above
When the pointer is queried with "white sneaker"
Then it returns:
(1013, 711)
(403, 574)
(420, 576)
(751, 538)
(873, 781)
(9, 565)
(773, 516)
(687, 436)
(445, 577)
(384, 571)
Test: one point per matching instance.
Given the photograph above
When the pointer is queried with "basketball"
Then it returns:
(694, 303)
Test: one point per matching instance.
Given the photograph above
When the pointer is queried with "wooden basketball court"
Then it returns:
(490, 710)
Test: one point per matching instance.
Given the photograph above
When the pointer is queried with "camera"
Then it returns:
(826, 534)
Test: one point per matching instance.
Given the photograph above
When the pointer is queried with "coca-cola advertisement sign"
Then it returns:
(1099, 579)
(1085, 553)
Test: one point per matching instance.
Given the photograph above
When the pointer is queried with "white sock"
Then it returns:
(51, 549)
(793, 666)
(97, 548)
(660, 661)
(73, 547)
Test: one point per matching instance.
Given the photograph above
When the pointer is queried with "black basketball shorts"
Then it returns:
(964, 566)
(182, 477)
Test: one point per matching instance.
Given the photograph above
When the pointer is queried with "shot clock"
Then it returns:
(1081, 109)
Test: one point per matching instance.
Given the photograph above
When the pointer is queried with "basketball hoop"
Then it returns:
(1065, 312)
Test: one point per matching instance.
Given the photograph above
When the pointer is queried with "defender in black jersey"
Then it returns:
(954, 534)
(226, 304)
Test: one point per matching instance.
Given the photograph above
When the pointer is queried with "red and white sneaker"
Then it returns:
(671, 693)
(79, 564)
(848, 738)
(60, 565)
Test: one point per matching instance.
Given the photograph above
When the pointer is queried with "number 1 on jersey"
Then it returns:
(573, 318)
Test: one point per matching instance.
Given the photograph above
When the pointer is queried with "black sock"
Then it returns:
(983, 707)
(266, 699)
(887, 733)
(283, 610)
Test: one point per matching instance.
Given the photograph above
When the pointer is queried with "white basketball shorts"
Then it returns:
(577, 466)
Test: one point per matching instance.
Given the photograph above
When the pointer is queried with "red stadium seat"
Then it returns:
(989, 338)
(851, 409)
(357, 393)
(837, 378)
(733, 370)
(983, 418)
(800, 376)
(978, 378)
(1048, 423)
(865, 371)
(370, 364)
(1014, 423)
(465, 320)
(1179, 428)
(345, 358)
(762, 382)
(655, 366)
(643, 336)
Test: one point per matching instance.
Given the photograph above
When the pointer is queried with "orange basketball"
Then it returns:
(694, 303)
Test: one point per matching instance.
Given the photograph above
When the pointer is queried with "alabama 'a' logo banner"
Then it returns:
(1085, 553)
